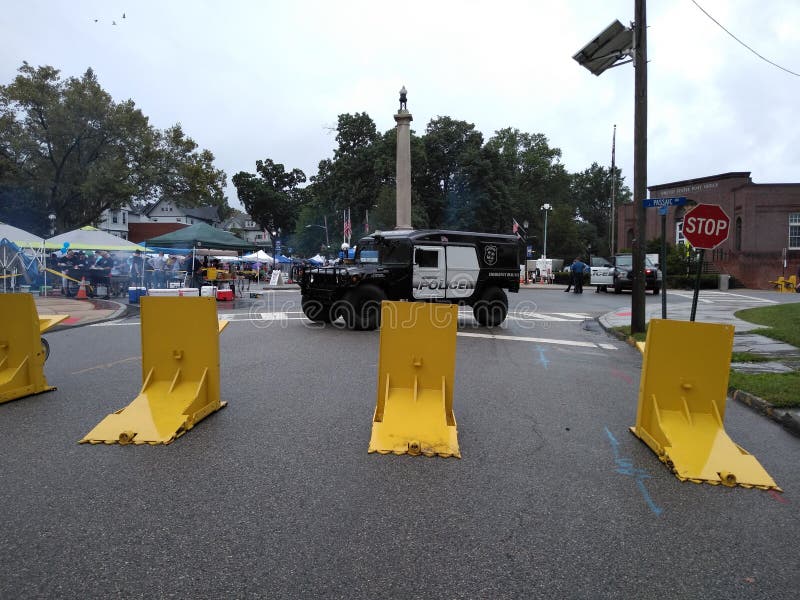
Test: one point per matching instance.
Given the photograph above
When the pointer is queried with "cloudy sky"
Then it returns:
(253, 80)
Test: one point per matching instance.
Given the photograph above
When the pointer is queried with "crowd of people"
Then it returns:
(114, 273)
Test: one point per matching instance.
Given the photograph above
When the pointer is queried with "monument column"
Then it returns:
(403, 119)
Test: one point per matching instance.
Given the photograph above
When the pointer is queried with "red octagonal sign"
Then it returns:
(706, 226)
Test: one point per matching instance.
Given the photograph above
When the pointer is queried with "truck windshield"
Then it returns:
(368, 253)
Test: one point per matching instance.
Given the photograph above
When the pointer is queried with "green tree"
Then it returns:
(591, 191)
(67, 148)
(272, 196)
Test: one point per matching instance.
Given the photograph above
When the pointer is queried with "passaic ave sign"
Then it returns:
(706, 226)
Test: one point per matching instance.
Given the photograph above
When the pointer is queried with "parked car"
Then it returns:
(619, 274)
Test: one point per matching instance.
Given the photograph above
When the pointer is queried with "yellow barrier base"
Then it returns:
(21, 353)
(682, 405)
(416, 370)
(180, 364)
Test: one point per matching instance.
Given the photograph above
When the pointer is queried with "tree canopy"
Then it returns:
(68, 149)
(458, 181)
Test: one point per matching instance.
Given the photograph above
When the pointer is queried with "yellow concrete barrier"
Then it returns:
(22, 351)
(180, 373)
(416, 374)
(682, 396)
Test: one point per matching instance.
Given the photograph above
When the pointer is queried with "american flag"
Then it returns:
(515, 228)
(348, 228)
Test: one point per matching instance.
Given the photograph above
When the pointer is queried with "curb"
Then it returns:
(779, 415)
(787, 418)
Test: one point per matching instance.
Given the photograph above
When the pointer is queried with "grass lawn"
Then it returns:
(781, 321)
(779, 389)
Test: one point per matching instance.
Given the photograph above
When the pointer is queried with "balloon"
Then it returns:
(65, 247)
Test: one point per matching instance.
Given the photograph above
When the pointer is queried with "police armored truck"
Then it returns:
(456, 267)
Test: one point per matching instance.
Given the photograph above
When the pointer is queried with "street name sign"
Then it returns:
(662, 202)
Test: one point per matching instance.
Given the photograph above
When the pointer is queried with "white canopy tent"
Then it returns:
(91, 238)
(17, 257)
(259, 256)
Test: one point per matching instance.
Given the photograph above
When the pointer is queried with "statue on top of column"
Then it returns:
(403, 93)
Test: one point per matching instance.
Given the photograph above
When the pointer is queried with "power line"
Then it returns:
(742, 43)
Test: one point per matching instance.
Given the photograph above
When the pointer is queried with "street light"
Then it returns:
(52, 218)
(325, 227)
(546, 208)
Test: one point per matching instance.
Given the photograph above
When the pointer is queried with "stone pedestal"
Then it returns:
(403, 119)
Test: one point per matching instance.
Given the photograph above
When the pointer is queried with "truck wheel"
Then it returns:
(45, 348)
(617, 288)
(492, 308)
(315, 310)
(361, 308)
(656, 290)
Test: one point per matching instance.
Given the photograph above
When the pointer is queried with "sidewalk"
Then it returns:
(742, 342)
(81, 312)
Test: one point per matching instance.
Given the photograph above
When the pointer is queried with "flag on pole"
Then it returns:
(348, 229)
(515, 228)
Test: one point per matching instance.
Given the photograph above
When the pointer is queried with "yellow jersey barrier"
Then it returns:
(416, 373)
(682, 405)
(180, 373)
(22, 352)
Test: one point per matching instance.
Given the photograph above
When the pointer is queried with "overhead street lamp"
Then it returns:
(546, 208)
(325, 227)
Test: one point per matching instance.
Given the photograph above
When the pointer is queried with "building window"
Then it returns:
(249, 224)
(679, 239)
(737, 234)
(794, 231)
(114, 217)
(124, 217)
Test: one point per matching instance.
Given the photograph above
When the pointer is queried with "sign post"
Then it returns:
(662, 204)
(705, 227)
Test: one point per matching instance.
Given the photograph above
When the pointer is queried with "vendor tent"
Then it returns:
(91, 238)
(200, 235)
(20, 237)
(259, 256)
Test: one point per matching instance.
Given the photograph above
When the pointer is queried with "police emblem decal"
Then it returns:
(490, 254)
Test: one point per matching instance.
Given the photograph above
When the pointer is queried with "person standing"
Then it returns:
(578, 269)
(571, 276)
(159, 266)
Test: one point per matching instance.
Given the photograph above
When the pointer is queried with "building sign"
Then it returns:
(700, 187)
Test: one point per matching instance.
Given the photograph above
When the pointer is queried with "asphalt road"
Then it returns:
(276, 497)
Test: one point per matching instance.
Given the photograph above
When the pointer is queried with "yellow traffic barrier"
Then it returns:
(416, 373)
(682, 405)
(22, 350)
(180, 373)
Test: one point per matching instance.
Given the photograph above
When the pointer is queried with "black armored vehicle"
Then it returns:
(456, 267)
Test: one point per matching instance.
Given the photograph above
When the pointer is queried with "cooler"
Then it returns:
(134, 293)
(161, 292)
(188, 291)
(224, 294)
(209, 290)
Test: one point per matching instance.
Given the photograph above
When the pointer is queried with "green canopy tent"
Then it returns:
(200, 235)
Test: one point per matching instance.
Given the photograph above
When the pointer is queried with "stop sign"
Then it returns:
(706, 226)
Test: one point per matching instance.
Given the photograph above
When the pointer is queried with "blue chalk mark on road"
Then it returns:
(625, 467)
(542, 358)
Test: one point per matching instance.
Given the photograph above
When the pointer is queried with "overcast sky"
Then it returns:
(256, 80)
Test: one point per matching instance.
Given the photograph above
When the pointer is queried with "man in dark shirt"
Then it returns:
(101, 271)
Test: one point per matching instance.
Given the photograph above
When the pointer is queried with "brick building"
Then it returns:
(765, 224)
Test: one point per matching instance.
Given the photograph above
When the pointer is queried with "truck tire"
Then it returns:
(617, 288)
(361, 308)
(492, 308)
(316, 311)
(656, 289)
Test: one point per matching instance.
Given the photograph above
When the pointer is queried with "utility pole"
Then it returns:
(613, 192)
(639, 164)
